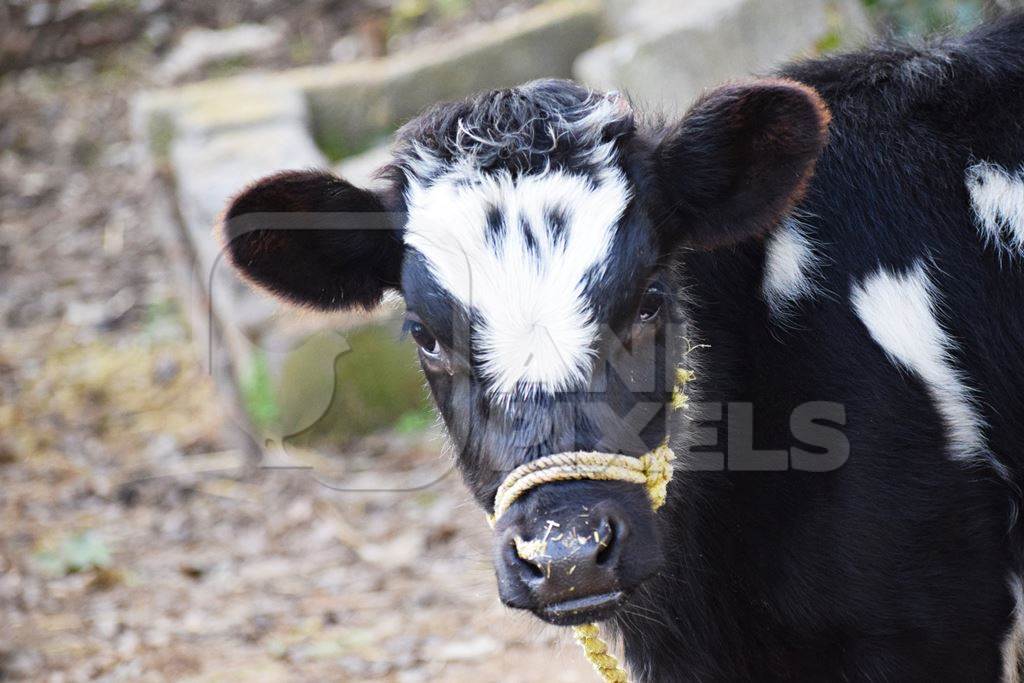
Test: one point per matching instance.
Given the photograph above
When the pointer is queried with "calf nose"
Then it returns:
(569, 565)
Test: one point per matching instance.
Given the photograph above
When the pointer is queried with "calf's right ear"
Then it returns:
(313, 239)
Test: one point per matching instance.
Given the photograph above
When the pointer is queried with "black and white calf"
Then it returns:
(839, 254)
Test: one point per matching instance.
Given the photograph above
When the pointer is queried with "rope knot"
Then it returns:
(657, 468)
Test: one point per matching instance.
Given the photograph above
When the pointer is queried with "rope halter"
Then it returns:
(653, 470)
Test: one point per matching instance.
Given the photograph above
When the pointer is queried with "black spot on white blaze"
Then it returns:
(557, 222)
(528, 238)
(495, 226)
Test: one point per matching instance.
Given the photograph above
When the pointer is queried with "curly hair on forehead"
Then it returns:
(541, 125)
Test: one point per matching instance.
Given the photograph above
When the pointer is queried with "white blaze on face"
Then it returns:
(535, 328)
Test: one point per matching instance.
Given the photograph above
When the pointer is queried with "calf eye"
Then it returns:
(650, 304)
(427, 342)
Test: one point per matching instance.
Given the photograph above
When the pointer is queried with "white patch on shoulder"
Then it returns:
(899, 310)
(997, 197)
(536, 328)
(1013, 645)
(791, 265)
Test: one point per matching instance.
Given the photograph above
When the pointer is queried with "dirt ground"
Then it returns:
(134, 543)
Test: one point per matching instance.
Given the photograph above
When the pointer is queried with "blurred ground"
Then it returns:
(134, 544)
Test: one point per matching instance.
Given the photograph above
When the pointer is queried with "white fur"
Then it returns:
(791, 265)
(1013, 645)
(537, 328)
(900, 313)
(997, 197)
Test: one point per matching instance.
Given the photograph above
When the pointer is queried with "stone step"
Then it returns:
(673, 51)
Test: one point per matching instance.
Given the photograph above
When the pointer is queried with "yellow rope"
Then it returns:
(596, 651)
(653, 470)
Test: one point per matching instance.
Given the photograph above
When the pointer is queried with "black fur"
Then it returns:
(519, 131)
(314, 239)
(892, 567)
(895, 566)
(748, 151)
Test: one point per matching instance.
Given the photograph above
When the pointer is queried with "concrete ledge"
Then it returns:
(541, 42)
(673, 55)
(360, 100)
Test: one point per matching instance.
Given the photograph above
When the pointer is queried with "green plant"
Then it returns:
(301, 50)
(415, 421)
(258, 392)
(78, 553)
(920, 17)
(336, 149)
(229, 66)
(406, 14)
(452, 9)
(830, 42)
(161, 134)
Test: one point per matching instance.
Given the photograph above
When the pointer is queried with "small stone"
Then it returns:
(38, 14)
(128, 643)
(166, 369)
(163, 450)
(159, 29)
(20, 664)
(467, 650)
(347, 49)
(400, 551)
(106, 625)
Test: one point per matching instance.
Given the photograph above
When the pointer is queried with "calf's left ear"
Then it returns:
(738, 161)
(314, 239)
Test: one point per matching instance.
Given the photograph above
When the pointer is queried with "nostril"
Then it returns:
(608, 534)
(515, 559)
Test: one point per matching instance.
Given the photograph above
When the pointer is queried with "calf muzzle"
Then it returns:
(571, 560)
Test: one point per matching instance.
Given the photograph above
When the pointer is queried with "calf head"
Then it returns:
(533, 234)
